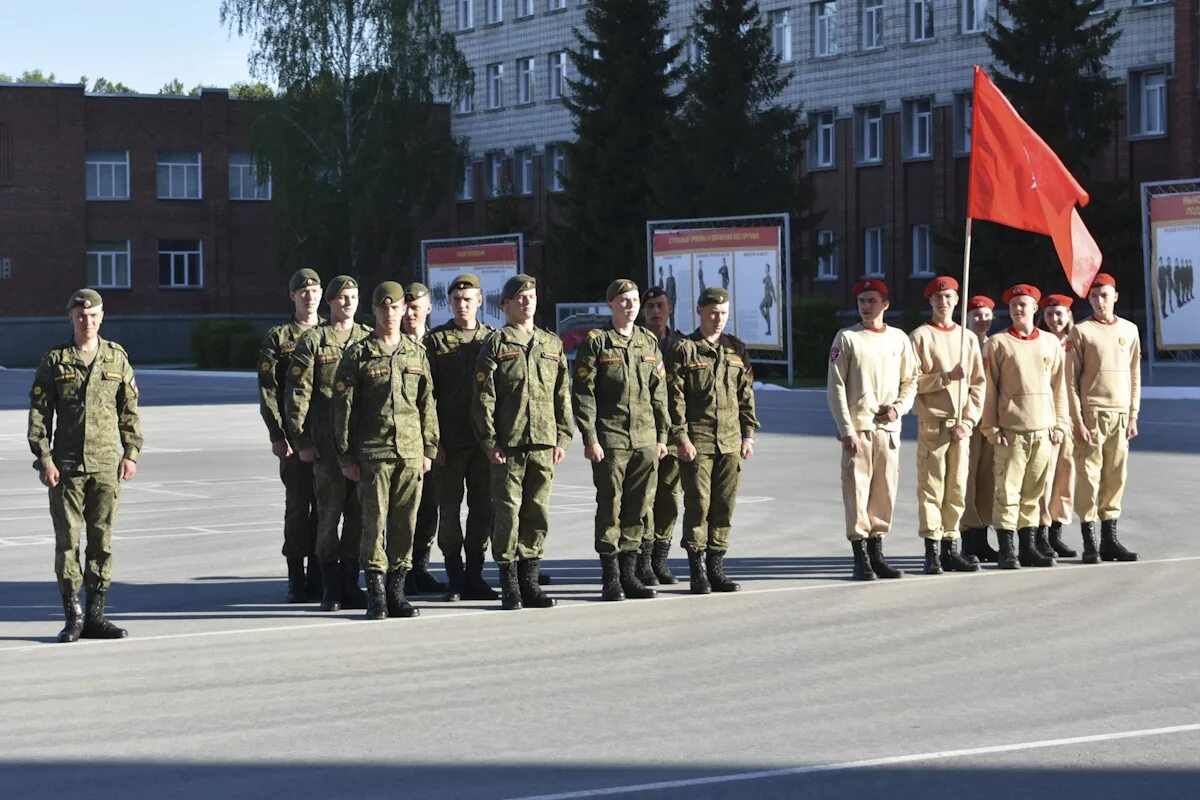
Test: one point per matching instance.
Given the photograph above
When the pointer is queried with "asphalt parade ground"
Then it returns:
(1075, 681)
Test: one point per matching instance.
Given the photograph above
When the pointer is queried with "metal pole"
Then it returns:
(963, 299)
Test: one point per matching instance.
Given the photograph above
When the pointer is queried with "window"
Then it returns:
(495, 11)
(556, 5)
(920, 20)
(524, 169)
(244, 182)
(180, 264)
(1099, 9)
(107, 174)
(1148, 101)
(466, 15)
(556, 158)
(918, 128)
(781, 35)
(525, 68)
(873, 252)
(868, 134)
(466, 102)
(178, 175)
(974, 15)
(558, 74)
(524, 8)
(872, 24)
(694, 54)
(962, 123)
(495, 85)
(825, 42)
(822, 142)
(1148, 2)
(108, 265)
(826, 256)
(495, 174)
(466, 190)
(922, 250)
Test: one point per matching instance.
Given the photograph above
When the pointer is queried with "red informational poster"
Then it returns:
(494, 263)
(1174, 249)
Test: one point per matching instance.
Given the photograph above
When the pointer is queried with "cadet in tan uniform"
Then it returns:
(981, 480)
(84, 401)
(710, 392)
(522, 419)
(1057, 504)
(385, 431)
(1024, 415)
(872, 383)
(664, 510)
(619, 397)
(1105, 392)
(949, 403)
(309, 421)
(300, 499)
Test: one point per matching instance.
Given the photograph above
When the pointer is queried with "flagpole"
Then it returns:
(963, 300)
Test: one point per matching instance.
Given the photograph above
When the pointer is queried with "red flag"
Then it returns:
(1017, 180)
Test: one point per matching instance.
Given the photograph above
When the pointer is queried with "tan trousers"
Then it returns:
(1101, 466)
(1022, 467)
(981, 483)
(942, 465)
(869, 484)
(1058, 501)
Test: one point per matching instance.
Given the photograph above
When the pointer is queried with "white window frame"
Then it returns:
(1148, 112)
(525, 71)
(523, 170)
(495, 86)
(920, 20)
(524, 9)
(104, 168)
(558, 74)
(106, 259)
(918, 128)
(873, 252)
(177, 172)
(495, 166)
(466, 14)
(1144, 3)
(871, 24)
(556, 167)
(868, 134)
(466, 189)
(781, 35)
(963, 106)
(245, 168)
(826, 255)
(974, 15)
(495, 11)
(824, 140)
(825, 30)
(556, 5)
(176, 254)
(922, 251)
(466, 103)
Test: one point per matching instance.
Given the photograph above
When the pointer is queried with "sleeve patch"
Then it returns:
(340, 386)
(296, 370)
(834, 352)
(582, 372)
(480, 376)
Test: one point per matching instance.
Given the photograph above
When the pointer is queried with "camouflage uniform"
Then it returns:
(664, 509)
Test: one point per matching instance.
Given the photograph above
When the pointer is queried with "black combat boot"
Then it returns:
(532, 595)
(980, 548)
(312, 580)
(474, 586)
(658, 562)
(645, 572)
(353, 597)
(714, 561)
(74, 615)
(420, 580)
(862, 564)
(1008, 554)
(952, 561)
(331, 586)
(878, 563)
(1111, 548)
(1041, 541)
(95, 624)
(397, 603)
(376, 595)
(510, 587)
(699, 574)
(1028, 555)
(631, 582)
(1057, 544)
(297, 591)
(933, 560)
(610, 589)
(1090, 554)
(455, 574)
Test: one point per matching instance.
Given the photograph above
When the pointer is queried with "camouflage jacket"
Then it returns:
(273, 359)
(521, 396)
(452, 355)
(619, 394)
(308, 390)
(711, 393)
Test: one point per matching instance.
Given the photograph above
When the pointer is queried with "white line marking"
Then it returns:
(864, 764)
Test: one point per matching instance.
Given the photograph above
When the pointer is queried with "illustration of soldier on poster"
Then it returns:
(1174, 245)
(494, 263)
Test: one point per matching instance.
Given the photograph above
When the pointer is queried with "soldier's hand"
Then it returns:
(1132, 431)
(593, 453)
(1000, 440)
(687, 452)
(1082, 433)
(961, 432)
(559, 455)
(49, 476)
(957, 373)
(352, 472)
(496, 455)
(852, 444)
(747, 448)
(127, 469)
(440, 458)
(1056, 436)
(662, 451)
(887, 414)
(308, 455)
(426, 464)
(281, 449)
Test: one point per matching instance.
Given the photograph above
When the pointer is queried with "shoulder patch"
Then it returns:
(834, 352)
(340, 386)
(582, 372)
(594, 333)
(480, 376)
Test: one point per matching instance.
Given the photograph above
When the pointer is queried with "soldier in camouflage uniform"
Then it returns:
(300, 501)
(711, 393)
(88, 385)
(385, 433)
(522, 418)
(620, 404)
(309, 421)
(453, 349)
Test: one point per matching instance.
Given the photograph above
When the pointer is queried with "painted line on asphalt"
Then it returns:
(890, 761)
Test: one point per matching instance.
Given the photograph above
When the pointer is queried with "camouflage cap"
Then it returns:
(516, 284)
(619, 286)
(416, 291)
(303, 278)
(339, 282)
(468, 280)
(713, 295)
(387, 293)
(85, 298)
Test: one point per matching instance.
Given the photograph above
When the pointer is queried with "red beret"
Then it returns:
(1056, 300)
(1103, 279)
(870, 285)
(1022, 290)
(980, 301)
(940, 284)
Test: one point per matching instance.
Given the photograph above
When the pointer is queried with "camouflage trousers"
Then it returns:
(521, 499)
(710, 486)
(465, 468)
(84, 501)
(337, 501)
(299, 508)
(427, 514)
(664, 509)
(389, 492)
(624, 483)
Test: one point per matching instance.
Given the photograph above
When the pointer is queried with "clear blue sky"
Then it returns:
(142, 43)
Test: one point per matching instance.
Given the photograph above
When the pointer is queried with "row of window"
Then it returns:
(922, 253)
(502, 174)
(493, 10)
(179, 176)
(180, 264)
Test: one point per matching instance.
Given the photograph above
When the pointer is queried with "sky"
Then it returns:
(142, 43)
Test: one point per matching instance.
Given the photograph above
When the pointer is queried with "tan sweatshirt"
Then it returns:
(1104, 368)
(869, 369)
(940, 399)
(1026, 388)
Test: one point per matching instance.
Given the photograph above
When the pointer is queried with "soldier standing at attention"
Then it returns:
(385, 431)
(522, 419)
(664, 511)
(300, 500)
(1057, 504)
(1024, 416)
(981, 480)
(309, 418)
(949, 403)
(88, 385)
(710, 386)
(871, 385)
(1105, 392)
(453, 349)
(619, 397)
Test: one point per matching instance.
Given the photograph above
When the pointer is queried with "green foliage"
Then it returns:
(32, 76)
(503, 213)
(173, 87)
(814, 325)
(258, 90)
(105, 86)
(225, 344)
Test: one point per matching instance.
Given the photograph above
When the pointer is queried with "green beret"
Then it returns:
(335, 286)
(303, 279)
(468, 280)
(387, 293)
(712, 296)
(85, 298)
(416, 291)
(619, 286)
(653, 292)
(516, 284)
